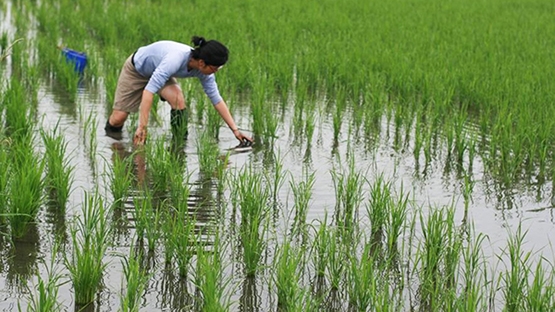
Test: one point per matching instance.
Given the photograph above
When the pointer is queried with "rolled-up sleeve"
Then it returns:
(211, 88)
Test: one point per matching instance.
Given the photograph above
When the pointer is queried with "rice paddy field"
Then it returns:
(403, 160)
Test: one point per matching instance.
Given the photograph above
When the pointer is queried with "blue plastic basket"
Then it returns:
(77, 58)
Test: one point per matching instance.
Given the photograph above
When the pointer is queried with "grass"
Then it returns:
(136, 282)
(44, 296)
(90, 242)
(253, 200)
(25, 194)
(210, 278)
(59, 176)
(287, 280)
(121, 178)
(302, 193)
(418, 78)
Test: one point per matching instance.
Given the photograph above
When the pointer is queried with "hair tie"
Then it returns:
(200, 42)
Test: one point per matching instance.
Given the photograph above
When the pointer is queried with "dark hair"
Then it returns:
(212, 52)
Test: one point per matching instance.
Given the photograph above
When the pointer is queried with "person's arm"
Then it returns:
(223, 110)
(144, 111)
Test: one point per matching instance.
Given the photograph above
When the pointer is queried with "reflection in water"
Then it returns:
(57, 218)
(250, 299)
(22, 259)
(202, 207)
(175, 291)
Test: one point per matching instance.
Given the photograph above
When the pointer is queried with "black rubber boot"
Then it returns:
(113, 132)
(178, 121)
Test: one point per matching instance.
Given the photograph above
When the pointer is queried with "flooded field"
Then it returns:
(373, 201)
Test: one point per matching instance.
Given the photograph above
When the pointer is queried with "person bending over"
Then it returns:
(153, 69)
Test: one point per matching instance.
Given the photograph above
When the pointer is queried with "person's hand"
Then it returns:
(241, 137)
(140, 136)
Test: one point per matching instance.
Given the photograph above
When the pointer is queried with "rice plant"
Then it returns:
(121, 178)
(349, 196)
(44, 296)
(90, 129)
(26, 188)
(136, 279)
(337, 253)
(363, 279)
(4, 177)
(181, 240)
(208, 153)
(321, 246)
(515, 279)
(275, 176)
(161, 164)
(210, 278)
(59, 174)
(439, 259)
(253, 201)
(302, 192)
(148, 219)
(289, 265)
(90, 242)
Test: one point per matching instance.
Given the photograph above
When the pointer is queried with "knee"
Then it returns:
(118, 118)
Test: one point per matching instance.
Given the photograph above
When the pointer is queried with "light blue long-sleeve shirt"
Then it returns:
(162, 60)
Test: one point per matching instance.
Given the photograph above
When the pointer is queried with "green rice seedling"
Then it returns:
(253, 200)
(340, 105)
(540, 295)
(147, 220)
(59, 174)
(320, 248)
(121, 178)
(289, 266)
(439, 257)
(396, 218)
(44, 296)
(378, 207)
(25, 194)
(181, 238)
(90, 128)
(179, 187)
(18, 115)
(214, 122)
(90, 241)
(472, 296)
(5, 49)
(201, 105)
(275, 177)
(515, 279)
(299, 110)
(221, 173)
(349, 196)
(136, 280)
(302, 192)
(309, 125)
(209, 153)
(362, 279)
(468, 188)
(210, 279)
(162, 166)
(337, 258)
(178, 207)
(4, 177)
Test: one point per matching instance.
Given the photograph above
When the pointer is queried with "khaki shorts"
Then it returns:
(131, 85)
